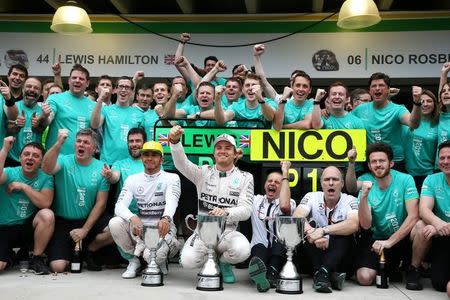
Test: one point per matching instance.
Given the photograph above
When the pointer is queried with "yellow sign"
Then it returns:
(306, 145)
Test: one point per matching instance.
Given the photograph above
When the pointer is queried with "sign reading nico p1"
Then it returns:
(271, 145)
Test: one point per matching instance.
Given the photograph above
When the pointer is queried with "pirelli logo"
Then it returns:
(306, 145)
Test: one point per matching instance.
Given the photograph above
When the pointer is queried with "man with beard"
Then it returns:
(222, 181)
(70, 110)
(339, 118)
(156, 193)
(27, 128)
(116, 120)
(268, 255)
(26, 194)
(80, 200)
(388, 212)
(435, 212)
(17, 74)
(336, 217)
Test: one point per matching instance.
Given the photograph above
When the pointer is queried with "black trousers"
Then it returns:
(335, 258)
(274, 256)
(440, 263)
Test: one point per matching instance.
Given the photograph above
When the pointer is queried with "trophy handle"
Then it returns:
(186, 221)
(315, 228)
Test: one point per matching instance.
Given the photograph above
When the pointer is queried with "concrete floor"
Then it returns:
(179, 285)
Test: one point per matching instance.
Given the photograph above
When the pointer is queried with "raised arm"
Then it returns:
(7, 145)
(278, 119)
(258, 50)
(219, 67)
(364, 211)
(10, 107)
(444, 77)
(96, 117)
(220, 115)
(413, 120)
(50, 161)
(285, 189)
(56, 68)
(316, 120)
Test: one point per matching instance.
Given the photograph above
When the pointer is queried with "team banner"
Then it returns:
(200, 141)
(272, 145)
(306, 145)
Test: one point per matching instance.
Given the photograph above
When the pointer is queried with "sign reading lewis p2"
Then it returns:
(306, 145)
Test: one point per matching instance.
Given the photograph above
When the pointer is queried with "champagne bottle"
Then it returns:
(382, 278)
(76, 265)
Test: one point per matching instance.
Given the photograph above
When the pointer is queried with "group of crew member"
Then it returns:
(60, 157)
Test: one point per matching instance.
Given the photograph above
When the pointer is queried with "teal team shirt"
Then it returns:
(188, 101)
(26, 134)
(71, 113)
(443, 131)
(127, 167)
(294, 113)
(388, 206)
(420, 148)
(383, 125)
(436, 186)
(347, 121)
(150, 118)
(118, 120)
(16, 207)
(77, 187)
(243, 112)
(225, 103)
(193, 109)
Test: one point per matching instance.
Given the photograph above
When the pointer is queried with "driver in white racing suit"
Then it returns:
(157, 193)
(222, 190)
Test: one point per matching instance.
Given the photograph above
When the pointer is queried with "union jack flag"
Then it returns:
(169, 59)
(163, 139)
(244, 141)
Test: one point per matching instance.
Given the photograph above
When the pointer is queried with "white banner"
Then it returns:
(322, 55)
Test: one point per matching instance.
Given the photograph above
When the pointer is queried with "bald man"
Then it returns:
(336, 217)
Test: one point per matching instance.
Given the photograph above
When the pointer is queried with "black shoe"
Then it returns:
(413, 279)
(38, 265)
(92, 265)
(321, 281)
(337, 280)
(272, 276)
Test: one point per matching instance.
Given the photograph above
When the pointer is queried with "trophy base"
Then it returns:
(152, 280)
(289, 286)
(209, 283)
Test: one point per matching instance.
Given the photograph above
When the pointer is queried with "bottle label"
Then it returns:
(378, 280)
(75, 266)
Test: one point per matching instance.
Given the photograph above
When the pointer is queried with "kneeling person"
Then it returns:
(157, 193)
(26, 195)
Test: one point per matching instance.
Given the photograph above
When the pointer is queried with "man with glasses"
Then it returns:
(268, 255)
(336, 218)
(116, 120)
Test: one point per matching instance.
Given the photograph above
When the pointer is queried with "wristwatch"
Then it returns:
(283, 101)
(197, 114)
(261, 101)
(167, 218)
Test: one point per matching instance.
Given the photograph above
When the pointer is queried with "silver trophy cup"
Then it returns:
(209, 230)
(289, 231)
(152, 275)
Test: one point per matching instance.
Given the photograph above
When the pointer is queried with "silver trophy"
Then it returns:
(289, 231)
(209, 229)
(152, 275)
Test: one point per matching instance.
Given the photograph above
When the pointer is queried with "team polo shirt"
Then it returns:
(77, 187)
(420, 148)
(388, 206)
(383, 125)
(296, 112)
(26, 134)
(118, 120)
(436, 186)
(70, 113)
(347, 121)
(16, 207)
(243, 112)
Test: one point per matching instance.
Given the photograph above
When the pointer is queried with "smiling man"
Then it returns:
(80, 200)
(26, 194)
(336, 217)
(17, 74)
(70, 110)
(222, 181)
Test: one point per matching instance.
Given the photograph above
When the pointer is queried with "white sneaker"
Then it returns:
(132, 269)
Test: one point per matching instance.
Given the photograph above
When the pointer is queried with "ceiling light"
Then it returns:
(71, 19)
(355, 14)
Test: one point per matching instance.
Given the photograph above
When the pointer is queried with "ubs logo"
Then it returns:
(325, 60)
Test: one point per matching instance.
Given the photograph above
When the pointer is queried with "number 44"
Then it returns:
(42, 58)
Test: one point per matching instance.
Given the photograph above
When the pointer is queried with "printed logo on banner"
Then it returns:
(325, 60)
